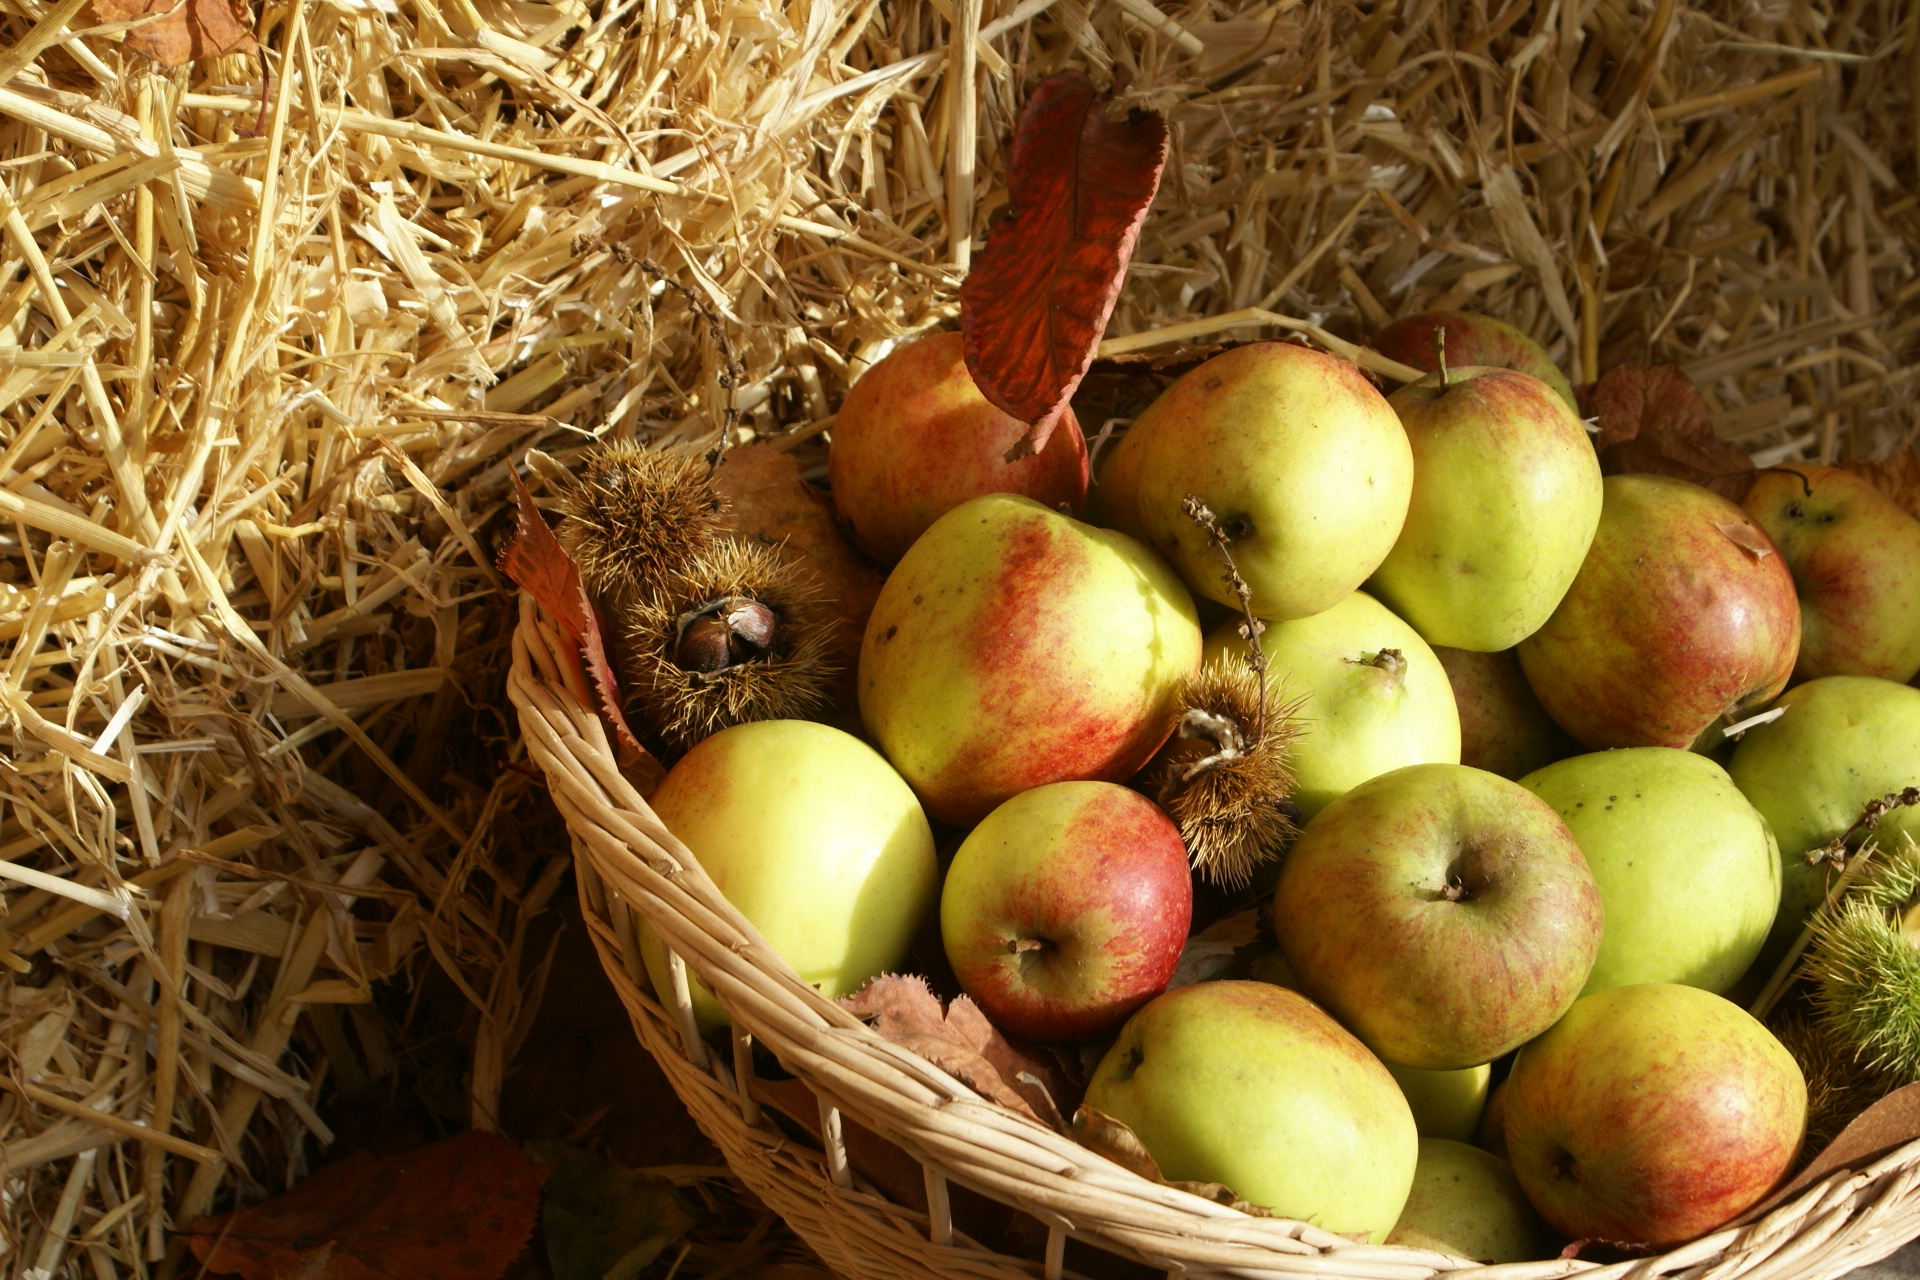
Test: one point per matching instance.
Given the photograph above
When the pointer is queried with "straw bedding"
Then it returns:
(274, 332)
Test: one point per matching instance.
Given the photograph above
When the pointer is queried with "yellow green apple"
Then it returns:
(1688, 870)
(1506, 497)
(1855, 557)
(1255, 1087)
(1014, 646)
(1840, 742)
(1301, 460)
(914, 438)
(1471, 339)
(814, 838)
(1446, 1104)
(1652, 1114)
(1444, 914)
(1372, 696)
(1467, 1202)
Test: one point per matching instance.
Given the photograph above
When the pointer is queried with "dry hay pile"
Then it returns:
(265, 370)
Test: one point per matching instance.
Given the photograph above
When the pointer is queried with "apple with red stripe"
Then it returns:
(1014, 646)
(1066, 909)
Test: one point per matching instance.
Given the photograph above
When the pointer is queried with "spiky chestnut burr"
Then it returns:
(1839, 1085)
(634, 516)
(1223, 777)
(736, 634)
(1864, 962)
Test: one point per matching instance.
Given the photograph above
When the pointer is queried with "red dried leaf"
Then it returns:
(960, 1041)
(1653, 419)
(536, 561)
(187, 29)
(1898, 477)
(1038, 297)
(461, 1209)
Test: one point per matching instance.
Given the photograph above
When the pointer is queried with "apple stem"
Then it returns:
(1196, 510)
(1021, 946)
(1440, 352)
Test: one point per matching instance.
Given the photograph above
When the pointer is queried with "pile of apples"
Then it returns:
(1546, 828)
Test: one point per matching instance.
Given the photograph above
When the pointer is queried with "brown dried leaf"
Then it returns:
(1747, 538)
(1653, 419)
(960, 1041)
(460, 1209)
(1898, 477)
(183, 30)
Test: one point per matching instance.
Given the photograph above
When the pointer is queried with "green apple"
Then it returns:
(1300, 459)
(1506, 498)
(1688, 870)
(814, 838)
(1014, 646)
(1468, 1203)
(1855, 557)
(1652, 1115)
(1446, 1104)
(1372, 695)
(1444, 914)
(1842, 741)
(1253, 1086)
(1503, 727)
(1471, 339)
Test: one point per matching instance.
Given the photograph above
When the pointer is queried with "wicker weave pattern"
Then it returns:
(630, 863)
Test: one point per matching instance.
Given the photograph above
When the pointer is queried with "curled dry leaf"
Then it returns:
(1097, 1131)
(1209, 954)
(960, 1041)
(460, 1209)
(1898, 477)
(176, 32)
(1038, 296)
(535, 560)
(1748, 538)
(1653, 419)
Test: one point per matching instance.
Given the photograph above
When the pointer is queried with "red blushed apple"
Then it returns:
(1471, 339)
(1503, 727)
(1683, 612)
(915, 438)
(1652, 1115)
(1855, 556)
(1066, 909)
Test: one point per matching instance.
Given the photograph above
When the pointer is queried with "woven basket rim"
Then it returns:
(1847, 1219)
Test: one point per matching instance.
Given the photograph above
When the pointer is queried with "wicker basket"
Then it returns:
(630, 864)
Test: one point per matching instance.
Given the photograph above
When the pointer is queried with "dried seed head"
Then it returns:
(1224, 778)
(1839, 1085)
(635, 516)
(737, 634)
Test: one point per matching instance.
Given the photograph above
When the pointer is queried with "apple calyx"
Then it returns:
(722, 633)
(1391, 661)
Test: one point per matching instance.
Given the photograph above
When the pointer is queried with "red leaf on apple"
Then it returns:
(960, 1041)
(1653, 419)
(1038, 297)
(1898, 477)
(460, 1209)
(535, 560)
